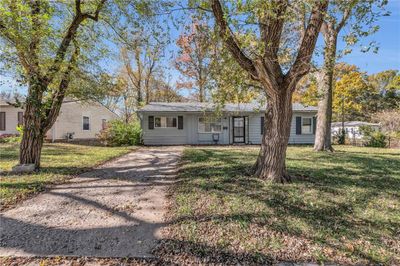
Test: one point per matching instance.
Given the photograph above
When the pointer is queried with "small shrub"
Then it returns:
(9, 138)
(12, 138)
(118, 133)
(377, 139)
(373, 138)
(341, 139)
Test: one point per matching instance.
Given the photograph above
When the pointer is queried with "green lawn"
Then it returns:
(343, 207)
(59, 162)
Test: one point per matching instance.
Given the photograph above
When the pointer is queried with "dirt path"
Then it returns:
(115, 210)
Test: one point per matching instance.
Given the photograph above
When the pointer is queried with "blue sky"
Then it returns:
(388, 57)
(388, 38)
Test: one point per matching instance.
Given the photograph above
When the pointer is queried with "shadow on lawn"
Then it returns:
(344, 180)
(114, 242)
(41, 239)
(224, 177)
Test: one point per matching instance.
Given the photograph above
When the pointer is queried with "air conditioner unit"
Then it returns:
(70, 135)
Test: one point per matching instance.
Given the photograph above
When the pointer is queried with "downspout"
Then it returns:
(53, 132)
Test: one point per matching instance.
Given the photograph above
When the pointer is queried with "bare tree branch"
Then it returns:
(95, 17)
(58, 97)
(271, 29)
(302, 63)
(69, 37)
(230, 40)
(346, 15)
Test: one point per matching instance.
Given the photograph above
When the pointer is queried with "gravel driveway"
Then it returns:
(115, 210)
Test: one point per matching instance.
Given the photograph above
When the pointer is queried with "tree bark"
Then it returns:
(41, 113)
(201, 92)
(32, 138)
(270, 163)
(278, 86)
(31, 146)
(324, 118)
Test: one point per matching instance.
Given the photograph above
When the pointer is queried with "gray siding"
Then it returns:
(255, 130)
(303, 138)
(190, 134)
(166, 136)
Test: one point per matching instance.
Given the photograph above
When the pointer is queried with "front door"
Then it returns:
(238, 129)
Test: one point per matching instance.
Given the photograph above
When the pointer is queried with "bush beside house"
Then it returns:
(119, 133)
(373, 138)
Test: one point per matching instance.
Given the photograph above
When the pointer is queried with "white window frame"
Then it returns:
(219, 120)
(311, 126)
(155, 117)
(83, 118)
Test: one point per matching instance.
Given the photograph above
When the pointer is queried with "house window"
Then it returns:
(86, 123)
(306, 127)
(20, 118)
(103, 124)
(207, 125)
(2, 121)
(164, 122)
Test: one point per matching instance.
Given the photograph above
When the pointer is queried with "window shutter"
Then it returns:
(3, 121)
(298, 125)
(151, 122)
(180, 122)
(314, 124)
(262, 125)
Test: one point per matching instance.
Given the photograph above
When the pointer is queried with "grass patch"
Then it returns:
(59, 162)
(345, 209)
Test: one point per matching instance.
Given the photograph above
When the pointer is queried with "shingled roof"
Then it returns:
(211, 107)
(353, 124)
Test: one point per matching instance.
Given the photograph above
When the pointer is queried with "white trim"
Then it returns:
(176, 119)
(83, 123)
(210, 132)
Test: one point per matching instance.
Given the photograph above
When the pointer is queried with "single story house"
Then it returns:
(352, 128)
(77, 120)
(197, 123)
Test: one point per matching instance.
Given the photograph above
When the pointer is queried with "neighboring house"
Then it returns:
(352, 128)
(196, 123)
(79, 120)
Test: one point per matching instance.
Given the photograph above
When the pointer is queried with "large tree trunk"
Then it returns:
(39, 118)
(270, 163)
(32, 138)
(201, 93)
(31, 147)
(324, 118)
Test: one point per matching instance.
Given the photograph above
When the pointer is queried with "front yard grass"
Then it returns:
(343, 207)
(59, 162)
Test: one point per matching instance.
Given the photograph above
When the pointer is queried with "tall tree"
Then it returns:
(194, 57)
(386, 87)
(264, 66)
(29, 29)
(307, 92)
(162, 91)
(362, 14)
(228, 81)
(351, 97)
(141, 58)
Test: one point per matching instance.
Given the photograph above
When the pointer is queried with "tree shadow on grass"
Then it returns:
(328, 178)
(114, 242)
